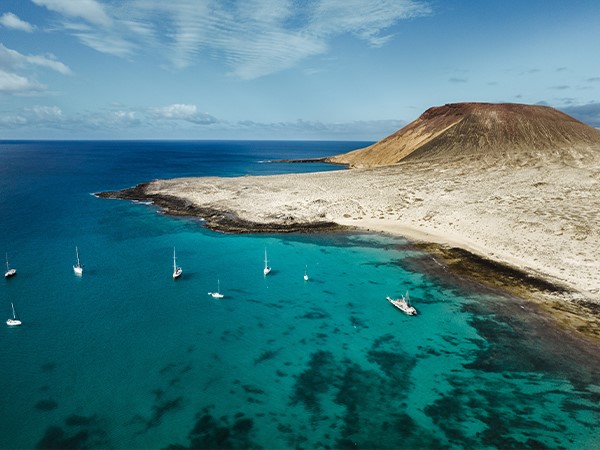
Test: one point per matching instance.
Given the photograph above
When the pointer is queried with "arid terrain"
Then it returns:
(525, 193)
(504, 134)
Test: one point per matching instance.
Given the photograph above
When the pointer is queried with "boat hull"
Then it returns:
(403, 306)
(10, 273)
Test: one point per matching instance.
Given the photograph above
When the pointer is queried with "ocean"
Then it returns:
(126, 357)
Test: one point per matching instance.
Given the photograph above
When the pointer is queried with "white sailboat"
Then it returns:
(9, 272)
(78, 269)
(267, 269)
(305, 274)
(218, 293)
(177, 271)
(14, 322)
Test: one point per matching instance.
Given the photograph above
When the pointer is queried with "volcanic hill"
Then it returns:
(515, 134)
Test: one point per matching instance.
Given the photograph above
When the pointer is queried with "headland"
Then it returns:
(509, 191)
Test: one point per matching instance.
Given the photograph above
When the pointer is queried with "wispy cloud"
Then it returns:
(12, 59)
(367, 20)
(10, 20)
(253, 38)
(315, 129)
(89, 10)
(457, 80)
(13, 63)
(46, 113)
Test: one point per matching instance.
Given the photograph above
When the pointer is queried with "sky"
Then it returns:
(284, 69)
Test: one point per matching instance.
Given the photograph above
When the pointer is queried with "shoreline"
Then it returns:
(472, 231)
(216, 219)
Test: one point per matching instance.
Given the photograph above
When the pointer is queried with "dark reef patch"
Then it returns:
(516, 342)
(361, 393)
(397, 366)
(266, 355)
(48, 367)
(317, 379)
(249, 389)
(75, 420)
(315, 314)
(160, 409)
(46, 405)
(212, 433)
(81, 432)
(511, 417)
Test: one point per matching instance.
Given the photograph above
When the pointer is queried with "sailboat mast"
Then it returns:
(7, 263)
(77, 253)
(13, 308)
(174, 261)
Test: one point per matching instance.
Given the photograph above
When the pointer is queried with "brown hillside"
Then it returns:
(486, 131)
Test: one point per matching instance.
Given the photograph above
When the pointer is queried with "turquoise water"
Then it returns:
(124, 357)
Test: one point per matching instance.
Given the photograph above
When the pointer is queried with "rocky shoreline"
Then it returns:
(217, 219)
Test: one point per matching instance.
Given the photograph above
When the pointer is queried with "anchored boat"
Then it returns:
(403, 304)
(267, 269)
(177, 271)
(9, 272)
(14, 322)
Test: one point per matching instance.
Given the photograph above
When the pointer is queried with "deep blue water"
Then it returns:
(124, 357)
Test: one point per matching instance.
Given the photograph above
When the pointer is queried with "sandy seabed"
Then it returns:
(542, 219)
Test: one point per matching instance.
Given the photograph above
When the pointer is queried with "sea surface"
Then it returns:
(125, 357)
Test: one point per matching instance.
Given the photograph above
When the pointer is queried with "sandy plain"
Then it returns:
(542, 220)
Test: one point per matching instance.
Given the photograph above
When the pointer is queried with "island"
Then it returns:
(506, 193)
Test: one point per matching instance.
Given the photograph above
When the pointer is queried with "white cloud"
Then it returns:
(315, 129)
(107, 43)
(181, 121)
(253, 37)
(365, 19)
(49, 61)
(13, 63)
(11, 83)
(46, 113)
(12, 59)
(188, 113)
(10, 121)
(89, 10)
(10, 20)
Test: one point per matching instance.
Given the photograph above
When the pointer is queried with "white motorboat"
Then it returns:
(218, 293)
(403, 304)
(14, 322)
(177, 271)
(267, 269)
(78, 268)
(9, 272)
